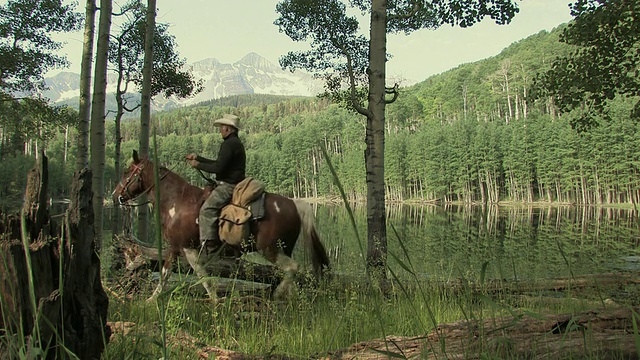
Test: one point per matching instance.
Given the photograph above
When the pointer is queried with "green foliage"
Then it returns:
(13, 180)
(126, 55)
(340, 54)
(27, 51)
(31, 119)
(603, 64)
(26, 48)
(534, 159)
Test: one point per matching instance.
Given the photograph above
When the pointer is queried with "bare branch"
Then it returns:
(124, 106)
(392, 90)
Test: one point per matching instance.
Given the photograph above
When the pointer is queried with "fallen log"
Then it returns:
(223, 285)
(560, 284)
(604, 333)
(576, 286)
(249, 267)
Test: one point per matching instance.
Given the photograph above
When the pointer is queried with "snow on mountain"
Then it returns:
(252, 74)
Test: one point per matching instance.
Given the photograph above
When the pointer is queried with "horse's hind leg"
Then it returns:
(165, 274)
(290, 269)
(197, 262)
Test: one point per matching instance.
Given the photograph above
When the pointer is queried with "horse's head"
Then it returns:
(133, 182)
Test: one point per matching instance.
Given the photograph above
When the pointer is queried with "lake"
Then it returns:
(513, 242)
(510, 242)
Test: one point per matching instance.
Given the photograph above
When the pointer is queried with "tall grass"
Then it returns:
(156, 211)
(35, 341)
(312, 323)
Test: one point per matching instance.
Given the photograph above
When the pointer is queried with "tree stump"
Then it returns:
(51, 296)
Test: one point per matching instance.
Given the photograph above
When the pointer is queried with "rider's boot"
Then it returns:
(213, 243)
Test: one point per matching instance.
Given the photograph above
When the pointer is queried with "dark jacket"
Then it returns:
(231, 163)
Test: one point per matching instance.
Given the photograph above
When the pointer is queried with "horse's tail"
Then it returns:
(319, 258)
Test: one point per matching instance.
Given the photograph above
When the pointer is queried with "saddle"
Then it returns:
(247, 204)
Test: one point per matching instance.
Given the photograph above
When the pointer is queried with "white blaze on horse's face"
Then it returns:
(275, 205)
(172, 212)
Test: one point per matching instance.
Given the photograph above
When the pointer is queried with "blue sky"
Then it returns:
(229, 29)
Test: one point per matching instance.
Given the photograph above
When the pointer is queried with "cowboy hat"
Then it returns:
(228, 119)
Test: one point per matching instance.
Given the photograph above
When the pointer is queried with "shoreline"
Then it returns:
(336, 200)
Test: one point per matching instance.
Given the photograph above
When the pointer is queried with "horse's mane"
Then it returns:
(164, 172)
(169, 173)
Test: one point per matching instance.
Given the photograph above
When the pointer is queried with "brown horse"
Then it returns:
(273, 236)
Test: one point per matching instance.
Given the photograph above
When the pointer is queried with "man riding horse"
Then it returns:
(229, 168)
(189, 227)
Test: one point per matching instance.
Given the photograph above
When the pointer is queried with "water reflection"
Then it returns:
(515, 242)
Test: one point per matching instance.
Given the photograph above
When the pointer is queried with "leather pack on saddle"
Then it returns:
(247, 203)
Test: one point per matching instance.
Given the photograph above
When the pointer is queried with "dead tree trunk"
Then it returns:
(51, 296)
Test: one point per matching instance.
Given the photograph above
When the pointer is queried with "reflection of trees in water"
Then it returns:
(492, 218)
(517, 241)
(587, 219)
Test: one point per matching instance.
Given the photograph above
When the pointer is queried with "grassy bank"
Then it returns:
(316, 320)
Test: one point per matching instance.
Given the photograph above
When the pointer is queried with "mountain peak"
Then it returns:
(205, 63)
(252, 56)
(254, 60)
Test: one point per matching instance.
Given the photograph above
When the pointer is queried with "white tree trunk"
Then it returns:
(145, 108)
(98, 116)
(82, 158)
(374, 153)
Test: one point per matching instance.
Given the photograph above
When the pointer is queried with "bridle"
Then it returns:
(135, 176)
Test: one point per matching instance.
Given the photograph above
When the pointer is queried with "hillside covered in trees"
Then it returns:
(471, 134)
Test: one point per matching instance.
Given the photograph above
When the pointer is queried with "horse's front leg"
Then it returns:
(165, 274)
(197, 260)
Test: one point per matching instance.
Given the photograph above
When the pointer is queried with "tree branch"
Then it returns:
(414, 11)
(124, 106)
(393, 90)
(125, 9)
(352, 79)
(352, 86)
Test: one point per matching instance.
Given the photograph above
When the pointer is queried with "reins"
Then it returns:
(127, 203)
(209, 181)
